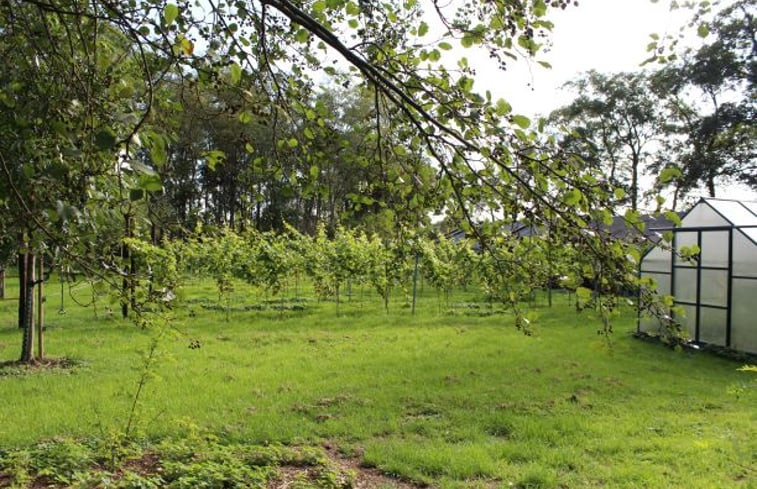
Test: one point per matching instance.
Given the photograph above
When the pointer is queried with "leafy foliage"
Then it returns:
(196, 460)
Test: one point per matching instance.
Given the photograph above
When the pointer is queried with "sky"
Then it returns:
(605, 35)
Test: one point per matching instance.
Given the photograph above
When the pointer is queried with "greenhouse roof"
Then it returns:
(740, 214)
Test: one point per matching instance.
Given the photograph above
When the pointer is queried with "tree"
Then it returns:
(69, 106)
(83, 82)
(711, 90)
(615, 123)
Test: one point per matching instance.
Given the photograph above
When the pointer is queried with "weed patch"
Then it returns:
(197, 461)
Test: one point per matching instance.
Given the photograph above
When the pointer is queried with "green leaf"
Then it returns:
(27, 170)
(466, 84)
(540, 8)
(521, 120)
(249, 148)
(422, 29)
(445, 45)
(245, 117)
(293, 143)
(186, 46)
(703, 30)
(236, 73)
(314, 172)
(353, 23)
(502, 107)
(352, 8)
(308, 133)
(302, 36)
(158, 153)
(633, 217)
(214, 157)
(170, 12)
(573, 197)
(669, 174)
(105, 139)
(673, 217)
(319, 6)
(583, 294)
(150, 183)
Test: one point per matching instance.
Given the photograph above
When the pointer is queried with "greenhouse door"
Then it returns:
(703, 286)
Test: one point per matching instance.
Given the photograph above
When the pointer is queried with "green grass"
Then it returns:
(452, 396)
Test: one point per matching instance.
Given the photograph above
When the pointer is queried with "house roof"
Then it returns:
(622, 230)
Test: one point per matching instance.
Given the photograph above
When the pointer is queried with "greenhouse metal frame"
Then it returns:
(718, 288)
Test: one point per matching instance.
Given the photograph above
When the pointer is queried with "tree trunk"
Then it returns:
(711, 185)
(125, 281)
(27, 310)
(22, 257)
(127, 285)
(635, 182)
(676, 195)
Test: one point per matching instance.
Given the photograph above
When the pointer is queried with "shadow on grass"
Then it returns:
(17, 367)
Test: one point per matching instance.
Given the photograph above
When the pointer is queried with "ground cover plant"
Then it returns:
(451, 396)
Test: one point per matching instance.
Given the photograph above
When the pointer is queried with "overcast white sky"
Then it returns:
(605, 35)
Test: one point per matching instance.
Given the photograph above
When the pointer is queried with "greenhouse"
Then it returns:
(717, 289)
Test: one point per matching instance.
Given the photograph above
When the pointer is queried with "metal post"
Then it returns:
(698, 307)
(415, 281)
(27, 347)
(729, 290)
(673, 252)
(40, 306)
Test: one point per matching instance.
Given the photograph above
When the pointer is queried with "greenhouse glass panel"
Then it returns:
(714, 288)
(686, 285)
(657, 260)
(703, 215)
(712, 325)
(743, 321)
(715, 248)
(726, 232)
(689, 320)
(685, 238)
(744, 256)
(663, 282)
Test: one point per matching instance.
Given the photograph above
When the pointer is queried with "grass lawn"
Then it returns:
(449, 397)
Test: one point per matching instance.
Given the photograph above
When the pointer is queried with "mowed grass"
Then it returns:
(452, 396)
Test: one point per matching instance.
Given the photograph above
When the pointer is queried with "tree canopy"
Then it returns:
(129, 119)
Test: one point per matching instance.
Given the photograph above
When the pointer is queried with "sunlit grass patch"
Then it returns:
(444, 399)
